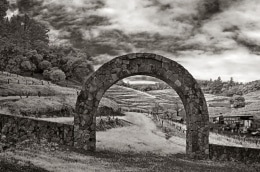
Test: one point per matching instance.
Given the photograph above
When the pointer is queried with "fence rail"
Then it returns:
(22, 81)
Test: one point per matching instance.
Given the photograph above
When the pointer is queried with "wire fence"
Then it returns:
(17, 79)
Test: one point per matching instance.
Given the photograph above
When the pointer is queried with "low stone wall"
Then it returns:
(244, 141)
(17, 129)
(230, 153)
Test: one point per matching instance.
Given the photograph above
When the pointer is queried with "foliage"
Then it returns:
(18, 37)
(24, 47)
(46, 74)
(3, 8)
(44, 65)
(238, 101)
(78, 68)
(226, 88)
(216, 86)
(26, 65)
(57, 75)
(177, 108)
(156, 108)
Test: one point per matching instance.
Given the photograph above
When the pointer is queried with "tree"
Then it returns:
(57, 75)
(3, 9)
(46, 74)
(231, 82)
(13, 65)
(177, 108)
(27, 32)
(217, 86)
(44, 65)
(238, 101)
(78, 68)
(157, 107)
(26, 65)
(18, 36)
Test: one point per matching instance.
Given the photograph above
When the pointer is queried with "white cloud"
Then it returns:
(144, 16)
(239, 64)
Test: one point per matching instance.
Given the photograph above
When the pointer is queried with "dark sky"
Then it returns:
(210, 38)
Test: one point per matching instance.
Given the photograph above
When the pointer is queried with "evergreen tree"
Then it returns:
(231, 82)
(217, 86)
(3, 8)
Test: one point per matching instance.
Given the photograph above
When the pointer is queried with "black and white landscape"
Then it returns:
(140, 85)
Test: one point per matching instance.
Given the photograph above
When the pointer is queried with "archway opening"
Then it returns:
(141, 114)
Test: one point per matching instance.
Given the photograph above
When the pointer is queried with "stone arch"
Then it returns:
(197, 118)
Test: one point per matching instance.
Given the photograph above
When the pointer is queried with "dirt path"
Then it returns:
(141, 137)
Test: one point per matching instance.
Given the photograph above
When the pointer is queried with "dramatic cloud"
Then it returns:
(171, 18)
(210, 37)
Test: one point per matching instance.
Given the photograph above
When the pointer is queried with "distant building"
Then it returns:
(172, 115)
(220, 104)
(244, 120)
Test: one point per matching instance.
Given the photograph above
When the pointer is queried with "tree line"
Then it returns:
(219, 87)
(25, 49)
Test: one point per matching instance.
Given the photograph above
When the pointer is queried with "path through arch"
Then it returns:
(197, 118)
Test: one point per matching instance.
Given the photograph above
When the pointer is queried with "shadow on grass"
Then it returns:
(176, 162)
(8, 166)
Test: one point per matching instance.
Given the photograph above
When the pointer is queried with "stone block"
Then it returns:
(131, 56)
(178, 83)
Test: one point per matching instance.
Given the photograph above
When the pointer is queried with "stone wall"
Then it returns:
(243, 141)
(230, 153)
(17, 129)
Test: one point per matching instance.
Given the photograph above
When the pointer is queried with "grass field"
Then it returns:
(53, 98)
(108, 161)
(140, 147)
(127, 97)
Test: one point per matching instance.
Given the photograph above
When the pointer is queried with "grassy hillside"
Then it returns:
(130, 98)
(54, 100)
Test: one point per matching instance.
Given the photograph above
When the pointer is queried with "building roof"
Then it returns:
(178, 118)
(219, 104)
(231, 115)
(238, 115)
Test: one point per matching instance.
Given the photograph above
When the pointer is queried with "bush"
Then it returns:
(78, 69)
(45, 65)
(26, 65)
(57, 75)
(231, 92)
(238, 101)
(46, 74)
